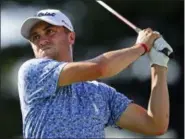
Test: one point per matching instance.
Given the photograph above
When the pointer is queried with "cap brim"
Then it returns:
(30, 22)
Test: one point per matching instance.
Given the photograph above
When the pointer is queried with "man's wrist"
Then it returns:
(141, 48)
(146, 48)
(159, 68)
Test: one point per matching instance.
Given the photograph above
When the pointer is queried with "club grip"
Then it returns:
(158, 45)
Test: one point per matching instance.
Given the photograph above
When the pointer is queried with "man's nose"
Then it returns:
(43, 41)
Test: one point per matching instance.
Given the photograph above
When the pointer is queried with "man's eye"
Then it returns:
(50, 31)
(36, 37)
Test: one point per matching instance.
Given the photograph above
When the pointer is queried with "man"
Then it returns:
(61, 99)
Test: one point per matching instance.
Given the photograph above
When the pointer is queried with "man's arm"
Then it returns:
(155, 120)
(158, 106)
(105, 65)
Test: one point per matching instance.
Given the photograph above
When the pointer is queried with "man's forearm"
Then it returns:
(158, 107)
(114, 62)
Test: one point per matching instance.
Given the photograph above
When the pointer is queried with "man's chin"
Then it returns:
(46, 55)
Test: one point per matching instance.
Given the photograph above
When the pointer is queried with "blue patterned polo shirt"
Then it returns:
(79, 110)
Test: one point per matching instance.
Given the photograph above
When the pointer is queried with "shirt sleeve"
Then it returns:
(117, 103)
(38, 78)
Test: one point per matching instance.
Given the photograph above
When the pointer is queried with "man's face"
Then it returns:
(50, 41)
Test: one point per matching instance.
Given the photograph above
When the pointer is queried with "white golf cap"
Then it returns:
(51, 16)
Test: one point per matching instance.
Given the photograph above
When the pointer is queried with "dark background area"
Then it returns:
(97, 32)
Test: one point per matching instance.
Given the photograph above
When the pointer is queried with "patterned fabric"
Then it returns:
(79, 110)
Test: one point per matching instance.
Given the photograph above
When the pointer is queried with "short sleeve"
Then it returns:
(117, 103)
(38, 78)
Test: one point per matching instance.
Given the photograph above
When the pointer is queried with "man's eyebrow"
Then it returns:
(48, 26)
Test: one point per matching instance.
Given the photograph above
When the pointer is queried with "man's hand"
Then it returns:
(158, 58)
(147, 36)
(162, 46)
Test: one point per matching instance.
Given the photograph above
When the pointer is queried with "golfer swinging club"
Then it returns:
(61, 98)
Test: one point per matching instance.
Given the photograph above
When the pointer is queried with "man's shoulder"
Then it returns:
(30, 65)
(34, 61)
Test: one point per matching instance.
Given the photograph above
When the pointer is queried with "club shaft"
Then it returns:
(118, 15)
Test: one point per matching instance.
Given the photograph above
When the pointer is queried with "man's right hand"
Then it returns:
(147, 36)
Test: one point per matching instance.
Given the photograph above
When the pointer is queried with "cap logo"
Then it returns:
(46, 14)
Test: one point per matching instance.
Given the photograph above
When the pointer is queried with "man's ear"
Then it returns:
(72, 37)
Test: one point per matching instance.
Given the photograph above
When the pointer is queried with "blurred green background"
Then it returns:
(97, 31)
